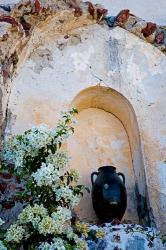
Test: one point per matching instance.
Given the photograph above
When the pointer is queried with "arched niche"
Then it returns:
(106, 103)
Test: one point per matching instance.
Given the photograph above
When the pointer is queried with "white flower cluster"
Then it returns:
(32, 215)
(17, 148)
(74, 174)
(62, 214)
(57, 244)
(2, 247)
(38, 137)
(15, 233)
(81, 245)
(60, 159)
(11, 155)
(70, 234)
(56, 223)
(48, 226)
(41, 221)
(75, 201)
(66, 194)
(46, 175)
(1, 222)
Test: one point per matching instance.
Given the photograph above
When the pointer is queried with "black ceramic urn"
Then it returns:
(109, 195)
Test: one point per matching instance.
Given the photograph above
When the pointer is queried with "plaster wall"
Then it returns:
(58, 69)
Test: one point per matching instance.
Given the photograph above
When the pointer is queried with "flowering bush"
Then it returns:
(47, 222)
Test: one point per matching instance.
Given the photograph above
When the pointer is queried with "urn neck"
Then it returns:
(107, 168)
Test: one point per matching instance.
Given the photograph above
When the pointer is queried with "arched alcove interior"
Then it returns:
(104, 106)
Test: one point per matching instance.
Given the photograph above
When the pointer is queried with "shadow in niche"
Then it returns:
(113, 102)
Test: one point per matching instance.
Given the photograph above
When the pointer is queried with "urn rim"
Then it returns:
(110, 167)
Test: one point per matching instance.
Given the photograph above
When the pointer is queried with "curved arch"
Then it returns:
(113, 102)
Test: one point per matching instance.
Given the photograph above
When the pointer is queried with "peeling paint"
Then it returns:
(42, 59)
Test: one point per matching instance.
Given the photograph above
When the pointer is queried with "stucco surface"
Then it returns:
(59, 69)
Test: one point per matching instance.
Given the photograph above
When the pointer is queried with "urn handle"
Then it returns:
(92, 177)
(123, 177)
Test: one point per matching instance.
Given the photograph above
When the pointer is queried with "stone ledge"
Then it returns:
(127, 237)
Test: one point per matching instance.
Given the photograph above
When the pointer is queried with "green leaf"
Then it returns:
(87, 189)
(163, 238)
(69, 247)
(2, 233)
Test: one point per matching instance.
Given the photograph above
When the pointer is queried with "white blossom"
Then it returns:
(75, 201)
(47, 226)
(57, 244)
(1, 222)
(66, 193)
(17, 149)
(46, 175)
(63, 214)
(47, 246)
(81, 245)
(70, 234)
(74, 174)
(60, 159)
(2, 247)
(32, 214)
(15, 233)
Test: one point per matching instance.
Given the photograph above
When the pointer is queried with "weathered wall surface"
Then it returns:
(59, 68)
